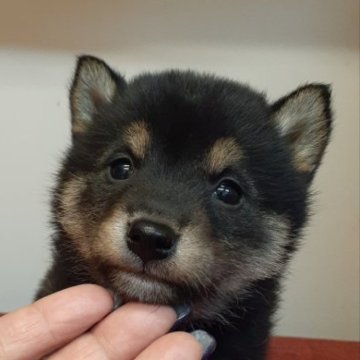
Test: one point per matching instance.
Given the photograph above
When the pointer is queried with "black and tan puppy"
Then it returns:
(186, 188)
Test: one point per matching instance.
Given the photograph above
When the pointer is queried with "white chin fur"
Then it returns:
(142, 288)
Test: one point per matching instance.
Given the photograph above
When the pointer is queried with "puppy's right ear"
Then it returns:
(94, 86)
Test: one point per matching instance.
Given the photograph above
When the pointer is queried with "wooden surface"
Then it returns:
(282, 348)
(285, 348)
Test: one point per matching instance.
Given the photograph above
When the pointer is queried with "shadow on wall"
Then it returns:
(112, 25)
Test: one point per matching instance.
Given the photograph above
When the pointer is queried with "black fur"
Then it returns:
(185, 114)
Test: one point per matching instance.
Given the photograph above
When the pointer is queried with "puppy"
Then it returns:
(181, 188)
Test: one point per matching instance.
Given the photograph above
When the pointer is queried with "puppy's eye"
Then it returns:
(120, 169)
(228, 192)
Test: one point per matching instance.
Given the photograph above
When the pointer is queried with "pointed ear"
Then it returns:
(94, 86)
(304, 120)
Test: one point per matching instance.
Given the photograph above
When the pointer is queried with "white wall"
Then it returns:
(274, 45)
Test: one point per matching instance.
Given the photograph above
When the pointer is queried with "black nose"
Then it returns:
(151, 241)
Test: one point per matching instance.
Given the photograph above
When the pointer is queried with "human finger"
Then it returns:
(123, 334)
(40, 328)
(173, 346)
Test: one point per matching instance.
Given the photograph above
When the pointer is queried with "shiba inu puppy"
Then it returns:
(186, 188)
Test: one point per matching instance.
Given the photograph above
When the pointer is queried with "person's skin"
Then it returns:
(78, 323)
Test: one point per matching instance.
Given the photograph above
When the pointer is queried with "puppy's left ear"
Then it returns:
(304, 121)
(94, 86)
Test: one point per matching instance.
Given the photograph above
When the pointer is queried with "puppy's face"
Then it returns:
(186, 188)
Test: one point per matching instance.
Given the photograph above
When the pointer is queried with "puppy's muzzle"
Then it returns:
(151, 241)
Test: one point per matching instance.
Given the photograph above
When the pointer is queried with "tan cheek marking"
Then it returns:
(69, 213)
(79, 127)
(106, 241)
(110, 239)
(251, 266)
(267, 261)
(224, 152)
(71, 216)
(138, 138)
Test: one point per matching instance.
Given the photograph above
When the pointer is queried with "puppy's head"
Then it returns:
(181, 187)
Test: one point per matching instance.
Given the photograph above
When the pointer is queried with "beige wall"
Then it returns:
(273, 45)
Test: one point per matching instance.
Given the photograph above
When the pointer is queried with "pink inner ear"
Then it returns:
(97, 99)
(295, 134)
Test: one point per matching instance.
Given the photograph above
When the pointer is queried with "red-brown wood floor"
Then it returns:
(282, 348)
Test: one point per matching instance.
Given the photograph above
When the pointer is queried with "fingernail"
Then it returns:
(117, 302)
(182, 311)
(207, 342)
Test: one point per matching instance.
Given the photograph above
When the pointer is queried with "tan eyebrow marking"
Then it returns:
(138, 138)
(224, 152)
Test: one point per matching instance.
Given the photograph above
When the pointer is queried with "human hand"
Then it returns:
(78, 323)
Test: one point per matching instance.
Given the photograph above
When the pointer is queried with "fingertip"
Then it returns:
(81, 306)
(150, 311)
(133, 327)
(55, 319)
(207, 342)
(84, 294)
(90, 289)
(189, 341)
(176, 345)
